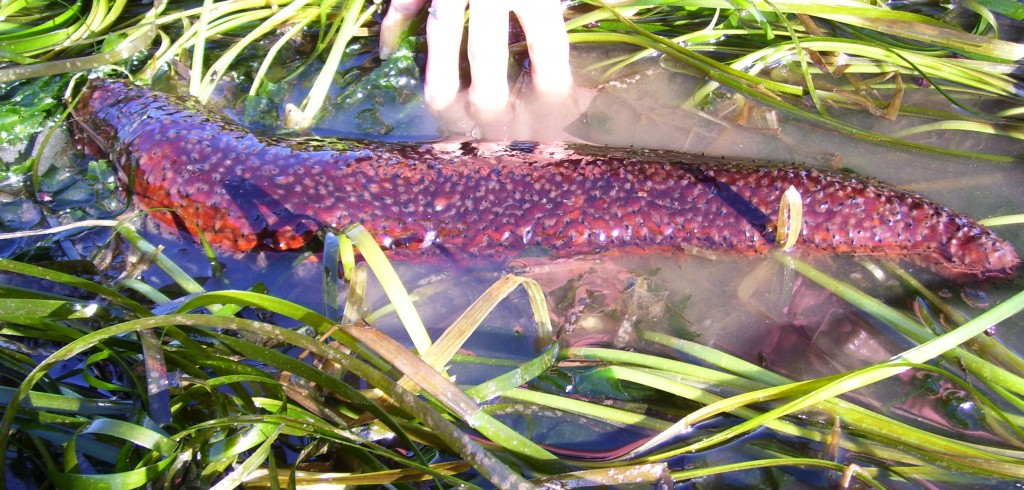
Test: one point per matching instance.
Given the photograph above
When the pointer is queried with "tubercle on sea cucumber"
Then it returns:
(244, 192)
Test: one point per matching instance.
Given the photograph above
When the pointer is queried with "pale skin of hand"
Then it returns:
(487, 47)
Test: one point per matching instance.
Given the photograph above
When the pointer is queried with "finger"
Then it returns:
(444, 43)
(488, 56)
(400, 14)
(548, 44)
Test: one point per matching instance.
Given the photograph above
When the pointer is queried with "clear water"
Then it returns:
(751, 307)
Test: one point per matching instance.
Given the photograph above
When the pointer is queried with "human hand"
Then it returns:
(487, 47)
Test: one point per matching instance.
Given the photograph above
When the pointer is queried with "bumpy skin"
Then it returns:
(245, 192)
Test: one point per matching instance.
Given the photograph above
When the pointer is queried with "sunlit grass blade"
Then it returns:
(503, 384)
(130, 46)
(135, 434)
(463, 327)
(977, 127)
(656, 475)
(1012, 219)
(454, 399)
(75, 282)
(588, 409)
(50, 402)
(262, 479)
(863, 475)
(350, 20)
(931, 346)
(392, 285)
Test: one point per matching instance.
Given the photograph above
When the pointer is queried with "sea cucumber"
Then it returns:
(244, 191)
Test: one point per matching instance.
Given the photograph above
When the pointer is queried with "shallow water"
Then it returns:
(752, 307)
(730, 297)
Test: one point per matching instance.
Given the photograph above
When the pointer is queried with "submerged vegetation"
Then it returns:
(111, 377)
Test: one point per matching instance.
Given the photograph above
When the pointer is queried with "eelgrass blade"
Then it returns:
(488, 466)
(162, 261)
(160, 444)
(656, 475)
(466, 324)
(207, 80)
(393, 287)
(199, 49)
(331, 277)
(350, 19)
(984, 345)
(75, 282)
(158, 386)
(865, 376)
(506, 382)
(754, 87)
(267, 434)
(335, 386)
(454, 399)
(355, 300)
(943, 345)
(1013, 219)
(131, 46)
(855, 417)
(747, 376)
(262, 478)
(588, 409)
(863, 475)
(50, 402)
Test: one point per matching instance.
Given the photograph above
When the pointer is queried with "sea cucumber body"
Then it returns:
(244, 191)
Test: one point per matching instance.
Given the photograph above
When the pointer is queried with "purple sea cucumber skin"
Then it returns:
(245, 192)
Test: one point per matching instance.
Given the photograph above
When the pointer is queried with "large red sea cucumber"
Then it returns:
(244, 192)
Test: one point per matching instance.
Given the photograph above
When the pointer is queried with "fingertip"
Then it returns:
(398, 17)
(548, 45)
(488, 101)
(444, 42)
(439, 93)
(488, 59)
